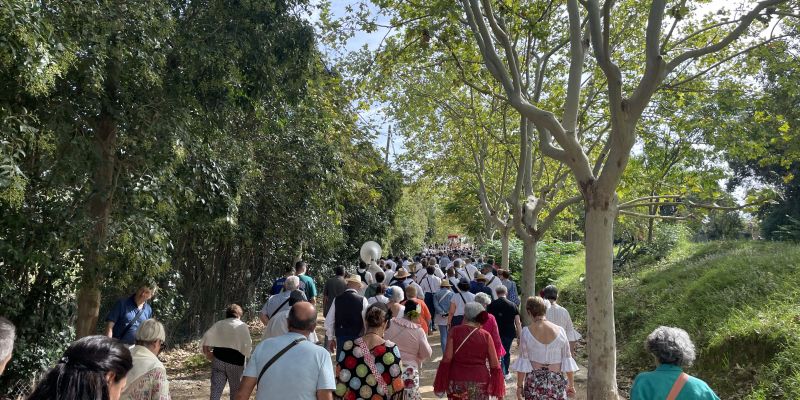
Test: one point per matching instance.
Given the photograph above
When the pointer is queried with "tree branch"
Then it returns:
(553, 214)
(728, 39)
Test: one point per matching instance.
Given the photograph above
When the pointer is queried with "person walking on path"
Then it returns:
(277, 286)
(124, 319)
(345, 320)
(369, 366)
(407, 334)
(461, 297)
(333, 287)
(479, 285)
(373, 288)
(673, 350)
(147, 380)
(491, 325)
(544, 357)
(441, 303)
(306, 282)
(505, 279)
(278, 325)
(430, 284)
(425, 318)
(560, 316)
(289, 367)
(226, 344)
(492, 281)
(508, 323)
(280, 301)
(463, 372)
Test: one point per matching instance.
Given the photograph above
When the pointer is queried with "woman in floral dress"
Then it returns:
(545, 366)
(368, 367)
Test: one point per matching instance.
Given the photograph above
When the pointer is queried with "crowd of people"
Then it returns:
(377, 322)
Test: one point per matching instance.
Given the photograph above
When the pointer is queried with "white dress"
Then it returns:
(555, 352)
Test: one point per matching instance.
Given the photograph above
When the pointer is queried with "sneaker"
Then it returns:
(508, 376)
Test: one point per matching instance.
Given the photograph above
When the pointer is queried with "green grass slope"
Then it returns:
(739, 301)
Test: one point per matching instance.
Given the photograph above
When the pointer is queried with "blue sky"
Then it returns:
(374, 116)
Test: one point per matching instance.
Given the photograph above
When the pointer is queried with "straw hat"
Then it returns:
(354, 278)
(446, 283)
(480, 277)
(401, 273)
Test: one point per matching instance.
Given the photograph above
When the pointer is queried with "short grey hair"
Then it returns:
(483, 299)
(8, 332)
(292, 283)
(501, 290)
(149, 331)
(671, 346)
(471, 311)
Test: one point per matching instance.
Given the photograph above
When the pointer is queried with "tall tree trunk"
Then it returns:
(528, 281)
(601, 339)
(99, 210)
(505, 252)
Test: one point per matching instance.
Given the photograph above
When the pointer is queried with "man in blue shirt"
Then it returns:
(125, 317)
(303, 372)
(277, 286)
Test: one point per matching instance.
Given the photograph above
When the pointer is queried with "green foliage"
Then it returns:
(747, 349)
(632, 253)
(552, 257)
(234, 151)
(758, 125)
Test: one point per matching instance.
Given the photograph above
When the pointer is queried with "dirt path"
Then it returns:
(189, 372)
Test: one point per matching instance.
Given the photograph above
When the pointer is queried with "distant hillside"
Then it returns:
(740, 302)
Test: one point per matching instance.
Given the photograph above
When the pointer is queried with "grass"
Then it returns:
(739, 301)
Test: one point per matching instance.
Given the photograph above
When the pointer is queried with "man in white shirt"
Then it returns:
(471, 268)
(560, 316)
(492, 281)
(430, 284)
(303, 372)
(280, 301)
(460, 272)
(345, 319)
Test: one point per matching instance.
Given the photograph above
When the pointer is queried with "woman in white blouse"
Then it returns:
(545, 358)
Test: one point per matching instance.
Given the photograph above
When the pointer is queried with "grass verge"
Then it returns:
(740, 302)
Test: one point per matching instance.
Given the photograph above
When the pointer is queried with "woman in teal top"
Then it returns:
(673, 350)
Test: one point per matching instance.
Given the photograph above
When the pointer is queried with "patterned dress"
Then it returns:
(359, 369)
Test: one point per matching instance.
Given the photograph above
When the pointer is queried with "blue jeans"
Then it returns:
(443, 338)
(506, 341)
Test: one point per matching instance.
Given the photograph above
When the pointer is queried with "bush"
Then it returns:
(551, 258)
(632, 253)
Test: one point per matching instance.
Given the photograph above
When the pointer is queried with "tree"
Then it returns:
(626, 103)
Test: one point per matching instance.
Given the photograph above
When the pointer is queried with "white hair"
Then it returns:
(292, 283)
(483, 299)
(7, 335)
(471, 311)
(150, 330)
(671, 346)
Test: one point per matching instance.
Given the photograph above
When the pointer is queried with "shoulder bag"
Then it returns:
(277, 356)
